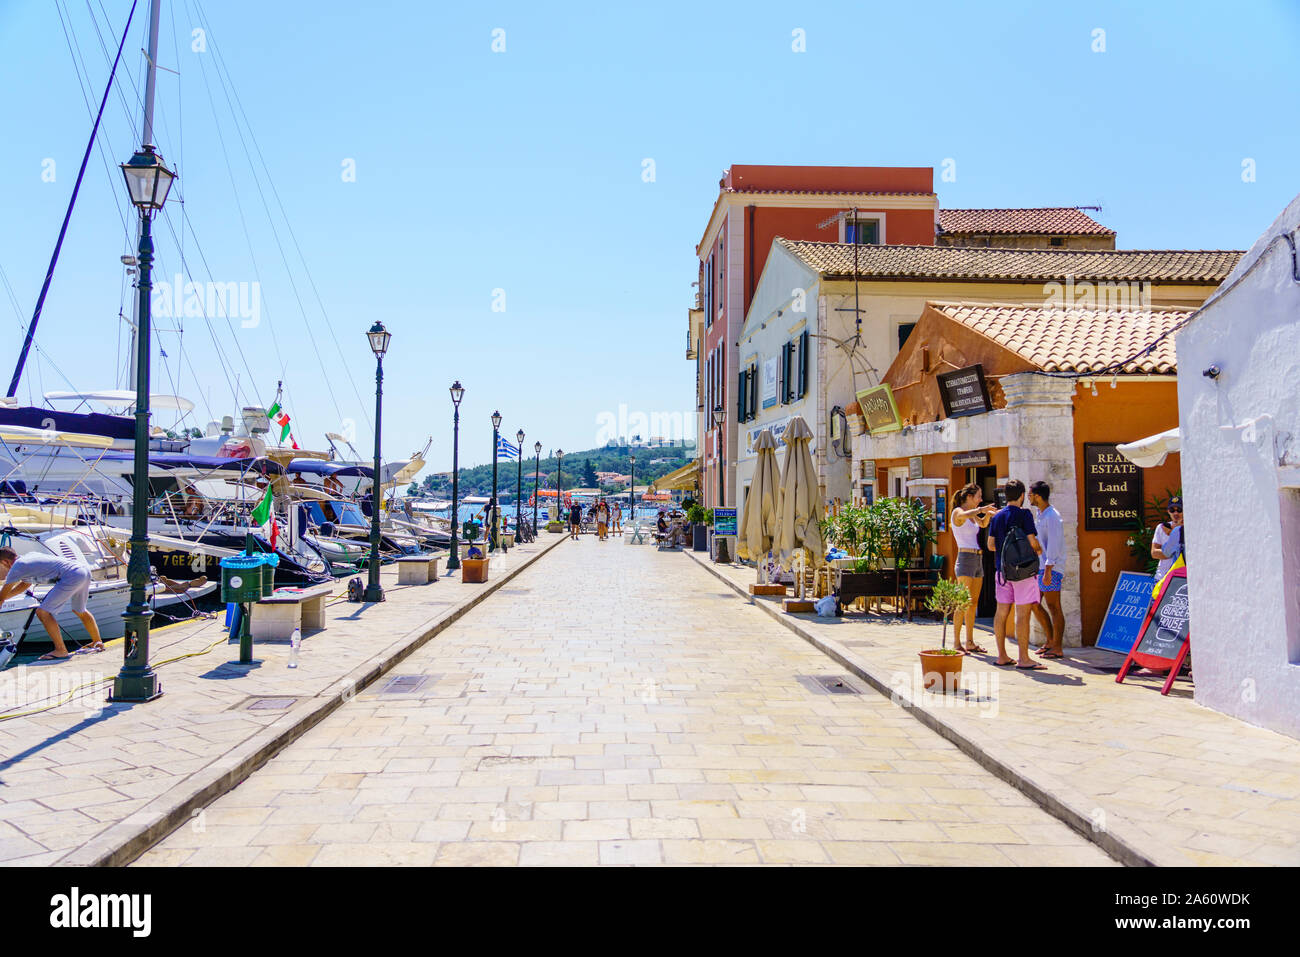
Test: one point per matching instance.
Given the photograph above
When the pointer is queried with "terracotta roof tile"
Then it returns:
(835, 260)
(1047, 219)
(825, 192)
(1077, 340)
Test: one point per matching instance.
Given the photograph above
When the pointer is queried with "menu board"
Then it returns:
(1112, 489)
(724, 521)
(1164, 638)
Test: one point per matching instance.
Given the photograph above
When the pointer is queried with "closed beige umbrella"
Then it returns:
(759, 520)
(800, 503)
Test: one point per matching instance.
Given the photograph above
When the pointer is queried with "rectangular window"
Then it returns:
(862, 232)
(904, 330)
(742, 394)
(787, 373)
(753, 391)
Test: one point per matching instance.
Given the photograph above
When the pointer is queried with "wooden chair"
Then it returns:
(920, 587)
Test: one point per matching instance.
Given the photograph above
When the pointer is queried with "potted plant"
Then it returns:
(860, 531)
(942, 665)
(700, 520)
(474, 566)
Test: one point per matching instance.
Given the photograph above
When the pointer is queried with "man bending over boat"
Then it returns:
(71, 584)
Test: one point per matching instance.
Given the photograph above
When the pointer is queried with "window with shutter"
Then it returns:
(753, 391)
(742, 393)
(803, 364)
(787, 363)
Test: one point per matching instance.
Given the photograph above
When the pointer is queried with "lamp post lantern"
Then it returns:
(148, 181)
(379, 338)
(496, 524)
(453, 557)
(519, 481)
(537, 488)
(631, 489)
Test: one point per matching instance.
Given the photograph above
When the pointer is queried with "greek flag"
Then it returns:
(505, 450)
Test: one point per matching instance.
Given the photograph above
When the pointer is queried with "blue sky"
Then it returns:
(522, 171)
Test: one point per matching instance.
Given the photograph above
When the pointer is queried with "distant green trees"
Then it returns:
(478, 479)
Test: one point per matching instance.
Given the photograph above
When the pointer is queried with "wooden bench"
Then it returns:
(276, 617)
(417, 569)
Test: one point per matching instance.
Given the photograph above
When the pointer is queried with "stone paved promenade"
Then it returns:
(87, 782)
(616, 705)
(1173, 782)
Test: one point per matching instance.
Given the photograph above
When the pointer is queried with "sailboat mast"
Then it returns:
(146, 138)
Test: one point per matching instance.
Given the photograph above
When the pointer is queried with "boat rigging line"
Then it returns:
(67, 217)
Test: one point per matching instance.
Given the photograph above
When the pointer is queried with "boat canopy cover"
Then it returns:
(317, 467)
(202, 463)
(20, 435)
(78, 423)
(157, 400)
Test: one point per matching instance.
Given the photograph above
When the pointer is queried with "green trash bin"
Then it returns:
(470, 530)
(243, 578)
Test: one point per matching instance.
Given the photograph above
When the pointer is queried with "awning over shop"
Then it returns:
(686, 477)
(1153, 450)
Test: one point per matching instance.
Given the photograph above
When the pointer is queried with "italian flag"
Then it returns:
(263, 514)
(280, 418)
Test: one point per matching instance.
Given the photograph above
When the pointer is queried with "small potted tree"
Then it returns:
(942, 665)
(700, 521)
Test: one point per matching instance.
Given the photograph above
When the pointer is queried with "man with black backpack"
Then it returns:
(1013, 539)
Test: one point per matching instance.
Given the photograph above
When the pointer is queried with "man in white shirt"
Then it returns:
(1051, 532)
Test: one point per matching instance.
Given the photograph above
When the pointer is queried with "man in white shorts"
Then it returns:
(71, 584)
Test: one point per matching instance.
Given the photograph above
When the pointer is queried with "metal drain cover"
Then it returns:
(405, 684)
(828, 684)
(270, 704)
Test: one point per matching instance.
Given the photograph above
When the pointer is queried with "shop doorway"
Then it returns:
(986, 477)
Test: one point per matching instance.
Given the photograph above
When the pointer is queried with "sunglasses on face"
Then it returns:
(1175, 511)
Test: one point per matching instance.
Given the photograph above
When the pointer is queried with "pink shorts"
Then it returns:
(1023, 592)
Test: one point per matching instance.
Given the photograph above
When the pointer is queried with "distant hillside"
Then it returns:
(579, 471)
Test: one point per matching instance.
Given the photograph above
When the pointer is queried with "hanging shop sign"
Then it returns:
(965, 460)
(964, 392)
(1129, 603)
(879, 412)
(915, 467)
(1164, 638)
(1112, 489)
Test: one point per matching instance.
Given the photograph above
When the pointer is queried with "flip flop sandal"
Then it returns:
(1050, 654)
(1004, 664)
(51, 656)
(977, 650)
(1034, 667)
(89, 650)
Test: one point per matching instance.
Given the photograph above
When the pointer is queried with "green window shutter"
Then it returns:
(803, 364)
(741, 394)
(786, 370)
(753, 390)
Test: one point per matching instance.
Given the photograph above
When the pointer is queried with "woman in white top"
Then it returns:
(969, 515)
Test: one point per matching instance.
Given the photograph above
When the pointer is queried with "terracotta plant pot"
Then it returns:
(941, 671)
(474, 570)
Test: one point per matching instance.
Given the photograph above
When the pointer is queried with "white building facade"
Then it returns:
(1239, 416)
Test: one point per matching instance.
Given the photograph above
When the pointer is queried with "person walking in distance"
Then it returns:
(1013, 539)
(575, 520)
(1051, 533)
(969, 515)
(71, 586)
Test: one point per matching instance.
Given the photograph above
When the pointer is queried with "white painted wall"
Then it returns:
(1241, 461)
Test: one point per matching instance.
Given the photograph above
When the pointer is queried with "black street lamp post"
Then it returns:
(559, 483)
(496, 524)
(453, 558)
(537, 488)
(719, 417)
(631, 490)
(379, 338)
(148, 182)
(519, 482)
